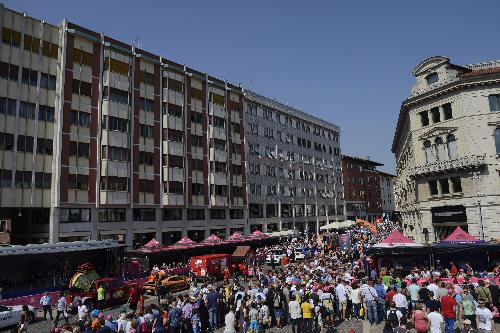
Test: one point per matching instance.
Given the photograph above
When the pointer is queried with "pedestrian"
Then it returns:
(370, 297)
(295, 312)
(253, 316)
(448, 305)
(401, 302)
(61, 309)
(394, 315)
(484, 318)
(483, 293)
(212, 303)
(82, 311)
(133, 298)
(436, 321)
(25, 319)
(307, 315)
(46, 303)
(101, 292)
(420, 320)
(467, 328)
(195, 321)
(230, 321)
(174, 318)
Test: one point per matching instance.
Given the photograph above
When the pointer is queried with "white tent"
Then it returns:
(338, 225)
(58, 247)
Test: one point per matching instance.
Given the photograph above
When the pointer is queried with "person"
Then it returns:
(381, 300)
(401, 302)
(294, 312)
(25, 319)
(436, 321)
(356, 301)
(264, 316)
(370, 296)
(100, 296)
(393, 315)
(432, 304)
(448, 305)
(433, 287)
(253, 316)
(413, 288)
(468, 307)
(187, 313)
(483, 293)
(195, 321)
(307, 317)
(46, 303)
(133, 298)
(420, 320)
(230, 321)
(212, 302)
(61, 309)
(484, 318)
(342, 299)
(82, 311)
(453, 269)
(174, 318)
(468, 327)
(278, 307)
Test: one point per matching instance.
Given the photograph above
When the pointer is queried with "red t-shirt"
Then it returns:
(390, 294)
(448, 304)
(134, 295)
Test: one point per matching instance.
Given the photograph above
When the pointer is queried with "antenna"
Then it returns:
(138, 42)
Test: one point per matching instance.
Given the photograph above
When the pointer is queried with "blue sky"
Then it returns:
(348, 62)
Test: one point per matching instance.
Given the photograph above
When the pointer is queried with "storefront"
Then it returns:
(445, 219)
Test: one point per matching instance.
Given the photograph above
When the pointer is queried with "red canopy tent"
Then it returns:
(460, 236)
(183, 243)
(151, 247)
(211, 240)
(235, 238)
(257, 234)
(397, 239)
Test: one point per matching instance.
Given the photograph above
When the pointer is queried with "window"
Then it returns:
(31, 44)
(432, 78)
(219, 190)
(46, 113)
(218, 214)
(44, 146)
(27, 110)
(112, 215)
(197, 165)
(146, 158)
(146, 131)
(255, 211)
(81, 87)
(5, 178)
(236, 213)
(197, 189)
(436, 117)
(147, 78)
(25, 144)
(424, 118)
(80, 118)
(218, 122)
(79, 149)
(496, 135)
(29, 76)
(236, 127)
(81, 57)
(195, 214)
(219, 167)
(196, 94)
(451, 143)
(196, 117)
(494, 101)
(73, 215)
(175, 161)
(78, 182)
(115, 153)
(115, 124)
(116, 66)
(172, 214)
(429, 155)
(219, 144)
(447, 111)
(49, 82)
(445, 186)
(237, 169)
(115, 95)
(173, 85)
(196, 140)
(175, 135)
(175, 187)
(237, 191)
(173, 110)
(11, 37)
(116, 184)
(456, 184)
(9, 71)
(146, 185)
(147, 104)
(299, 210)
(433, 189)
(144, 214)
(439, 149)
(50, 49)
(23, 179)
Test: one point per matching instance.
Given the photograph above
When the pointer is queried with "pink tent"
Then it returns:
(459, 236)
(184, 243)
(395, 239)
(151, 247)
(236, 237)
(211, 240)
(257, 234)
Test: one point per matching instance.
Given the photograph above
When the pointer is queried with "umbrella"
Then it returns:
(211, 240)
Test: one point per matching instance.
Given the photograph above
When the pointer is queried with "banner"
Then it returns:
(345, 242)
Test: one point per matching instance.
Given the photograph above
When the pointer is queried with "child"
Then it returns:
(195, 321)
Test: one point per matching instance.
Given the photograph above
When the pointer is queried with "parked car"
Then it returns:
(11, 315)
(172, 283)
(277, 256)
(299, 253)
(117, 291)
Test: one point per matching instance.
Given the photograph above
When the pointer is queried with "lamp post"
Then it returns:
(476, 177)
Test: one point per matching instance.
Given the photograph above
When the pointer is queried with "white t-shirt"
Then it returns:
(356, 296)
(341, 293)
(434, 288)
(400, 300)
(436, 319)
(294, 310)
(484, 317)
(82, 311)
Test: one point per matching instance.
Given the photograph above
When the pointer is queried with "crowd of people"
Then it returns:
(315, 294)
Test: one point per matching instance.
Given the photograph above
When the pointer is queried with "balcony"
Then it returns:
(173, 148)
(115, 80)
(218, 155)
(461, 163)
(173, 199)
(218, 178)
(218, 201)
(217, 110)
(115, 198)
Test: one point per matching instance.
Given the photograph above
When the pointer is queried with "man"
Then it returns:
(432, 304)
(61, 309)
(295, 312)
(187, 313)
(342, 298)
(174, 318)
(133, 299)
(401, 302)
(45, 302)
(414, 289)
(100, 297)
(423, 293)
(436, 321)
(483, 293)
(393, 315)
(484, 319)
(434, 288)
(448, 305)
(370, 297)
(307, 315)
(381, 302)
(212, 303)
(82, 312)
(468, 307)
(468, 327)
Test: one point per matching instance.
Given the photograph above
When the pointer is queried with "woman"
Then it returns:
(25, 318)
(420, 320)
(356, 301)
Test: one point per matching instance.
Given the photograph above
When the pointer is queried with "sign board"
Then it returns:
(446, 214)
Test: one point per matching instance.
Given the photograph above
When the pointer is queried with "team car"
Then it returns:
(11, 315)
(172, 283)
(276, 255)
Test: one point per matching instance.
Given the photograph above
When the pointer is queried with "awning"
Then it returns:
(397, 239)
(58, 247)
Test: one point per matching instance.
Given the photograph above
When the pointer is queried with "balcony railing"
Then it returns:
(461, 163)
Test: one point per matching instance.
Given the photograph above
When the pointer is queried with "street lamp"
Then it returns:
(476, 177)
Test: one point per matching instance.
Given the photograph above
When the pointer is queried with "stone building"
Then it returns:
(447, 148)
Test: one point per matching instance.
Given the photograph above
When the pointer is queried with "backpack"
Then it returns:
(392, 318)
(327, 303)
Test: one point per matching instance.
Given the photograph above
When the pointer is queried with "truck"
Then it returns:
(116, 291)
(209, 266)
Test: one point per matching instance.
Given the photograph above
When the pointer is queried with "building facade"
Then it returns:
(368, 192)
(102, 140)
(294, 171)
(447, 145)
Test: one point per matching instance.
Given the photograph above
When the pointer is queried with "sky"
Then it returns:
(347, 62)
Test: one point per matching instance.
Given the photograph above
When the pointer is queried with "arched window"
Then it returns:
(497, 139)
(451, 142)
(429, 156)
(432, 78)
(439, 149)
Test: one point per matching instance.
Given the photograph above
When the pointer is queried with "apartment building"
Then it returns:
(447, 148)
(102, 140)
(369, 193)
(294, 175)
